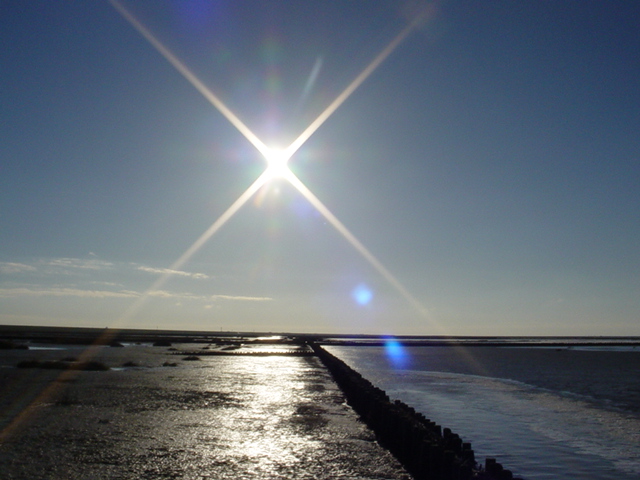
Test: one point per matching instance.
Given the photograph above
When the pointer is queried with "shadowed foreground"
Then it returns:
(222, 417)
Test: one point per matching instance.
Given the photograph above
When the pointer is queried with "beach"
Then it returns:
(268, 407)
(219, 417)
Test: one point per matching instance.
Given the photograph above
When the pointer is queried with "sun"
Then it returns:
(277, 160)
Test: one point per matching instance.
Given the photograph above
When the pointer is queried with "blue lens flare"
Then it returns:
(396, 354)
(362, 294)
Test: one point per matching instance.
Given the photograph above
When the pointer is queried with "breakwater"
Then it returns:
(427, 451)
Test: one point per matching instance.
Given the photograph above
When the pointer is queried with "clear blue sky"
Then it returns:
(490, 164)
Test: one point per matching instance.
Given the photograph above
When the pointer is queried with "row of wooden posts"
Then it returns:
(426, 450)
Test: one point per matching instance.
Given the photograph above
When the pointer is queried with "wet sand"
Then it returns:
(220, 417)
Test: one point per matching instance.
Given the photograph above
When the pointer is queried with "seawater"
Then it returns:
(544, 413)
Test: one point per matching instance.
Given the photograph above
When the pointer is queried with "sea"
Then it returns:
(543, 412)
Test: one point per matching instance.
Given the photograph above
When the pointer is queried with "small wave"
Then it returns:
(536, 431)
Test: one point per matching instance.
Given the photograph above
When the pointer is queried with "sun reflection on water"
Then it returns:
(262, 433)
(223, 417)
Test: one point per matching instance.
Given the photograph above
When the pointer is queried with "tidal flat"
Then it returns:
(154, 415)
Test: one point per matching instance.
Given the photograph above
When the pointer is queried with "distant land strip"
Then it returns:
(105, 336)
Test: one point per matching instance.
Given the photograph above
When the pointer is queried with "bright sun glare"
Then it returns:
(277, 162)
(276, 158)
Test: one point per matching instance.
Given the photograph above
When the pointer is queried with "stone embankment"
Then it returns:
(427, 451)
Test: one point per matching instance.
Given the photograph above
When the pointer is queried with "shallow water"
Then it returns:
(542, 413)
(223, 417)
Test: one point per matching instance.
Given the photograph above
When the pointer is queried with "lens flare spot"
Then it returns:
(396, 353)
(362, 294)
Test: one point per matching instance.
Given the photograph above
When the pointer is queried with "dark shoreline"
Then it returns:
(105, 336)
(424, 449)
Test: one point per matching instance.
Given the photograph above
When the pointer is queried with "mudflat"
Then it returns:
(155, 415)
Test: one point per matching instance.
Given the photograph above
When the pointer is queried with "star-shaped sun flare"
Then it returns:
(277, 159)
(277, 162)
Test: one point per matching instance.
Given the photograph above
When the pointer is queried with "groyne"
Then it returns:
(426, 450)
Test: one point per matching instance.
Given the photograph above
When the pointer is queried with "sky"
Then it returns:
(480, 180)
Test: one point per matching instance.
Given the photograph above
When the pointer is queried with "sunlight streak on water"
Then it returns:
(224, 417)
